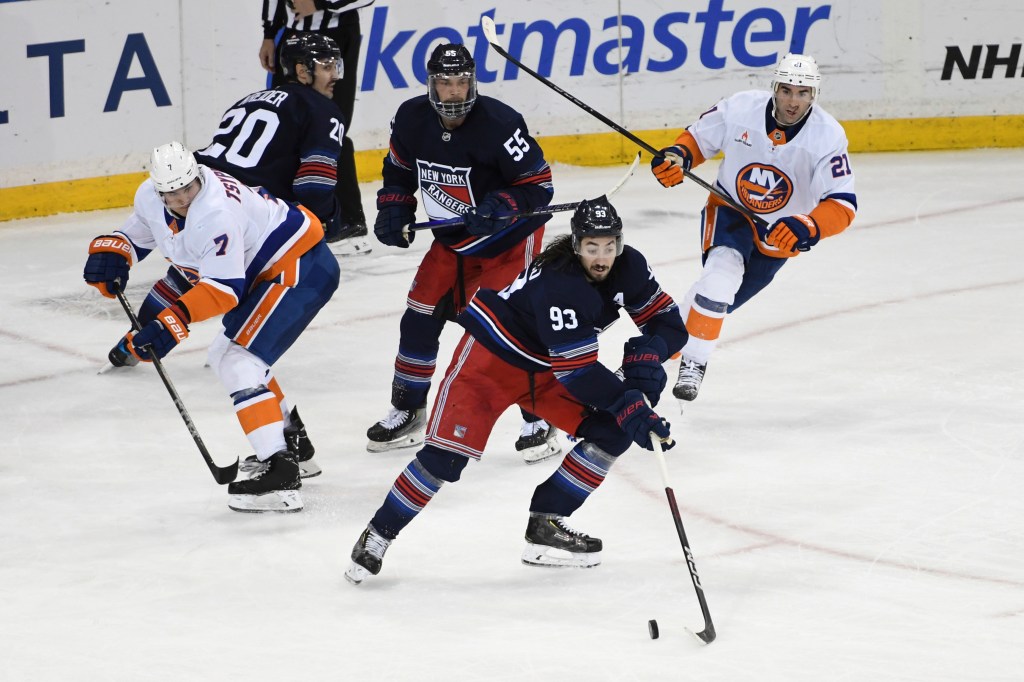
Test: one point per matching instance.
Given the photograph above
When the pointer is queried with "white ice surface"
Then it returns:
(850, 477)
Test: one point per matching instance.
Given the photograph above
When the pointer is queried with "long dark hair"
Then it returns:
(559, 255)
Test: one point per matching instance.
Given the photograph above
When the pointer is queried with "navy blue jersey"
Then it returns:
(286, 140)
(455, 169)
(549, 318)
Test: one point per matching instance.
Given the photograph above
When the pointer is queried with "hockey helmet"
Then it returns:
(596, 218)
(796, 69)
(451, 60)
(172, 166)
(309, 49)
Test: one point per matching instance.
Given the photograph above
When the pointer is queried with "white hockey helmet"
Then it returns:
(797, 69)
(172, 166)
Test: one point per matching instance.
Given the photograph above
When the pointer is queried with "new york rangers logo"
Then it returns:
(445, 190)
(763, 188)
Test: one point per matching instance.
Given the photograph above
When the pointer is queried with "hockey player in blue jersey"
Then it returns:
(287, 140)
(534, 343)
(470, 156)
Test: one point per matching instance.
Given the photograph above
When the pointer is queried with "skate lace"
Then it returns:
(532, 428)
(395, 418)
(569, 529)
(376, 544)
(690, 370)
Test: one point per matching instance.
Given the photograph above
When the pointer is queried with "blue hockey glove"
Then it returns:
(162, 334)
(669, 164)
(641, 366)
(638, 421)
(396, 211)
(793, 233)
(110, 258)
(481, 220)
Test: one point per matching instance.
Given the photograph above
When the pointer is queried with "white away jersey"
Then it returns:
(775, 180)
(232, 237)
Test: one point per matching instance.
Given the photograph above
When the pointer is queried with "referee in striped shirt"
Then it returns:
(338, 20)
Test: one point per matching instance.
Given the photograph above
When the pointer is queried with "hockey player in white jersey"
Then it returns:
(786, 160)
(261, 263)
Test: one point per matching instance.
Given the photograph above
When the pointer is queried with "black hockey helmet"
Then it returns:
(451, 60)
(596, 218)
(307, 49)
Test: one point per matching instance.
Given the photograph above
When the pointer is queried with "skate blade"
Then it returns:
(356, 574)
(281, 501)
(354, 246)
(549, 448)
(407, 441)
(542, 452)
(550, 557)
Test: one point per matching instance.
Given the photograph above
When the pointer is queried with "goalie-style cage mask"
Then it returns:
(451, 60)
(796, 69)
(172, 166)
(596, 218)
(310, 49)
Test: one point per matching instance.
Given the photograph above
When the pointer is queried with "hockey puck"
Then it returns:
(652, 627)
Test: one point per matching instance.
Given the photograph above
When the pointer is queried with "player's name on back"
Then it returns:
(274, 97)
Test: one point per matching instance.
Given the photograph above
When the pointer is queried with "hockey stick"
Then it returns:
(708, 634)
(554, 208)
(492, 37)
(220, 474)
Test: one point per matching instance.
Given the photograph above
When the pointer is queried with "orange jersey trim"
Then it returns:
(832, 217)
(687, 140)
(205, 301)
(711, 214)
(259, 315)
(288, 265)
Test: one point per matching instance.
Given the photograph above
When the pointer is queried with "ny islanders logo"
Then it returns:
(445, 190)
(763, 188)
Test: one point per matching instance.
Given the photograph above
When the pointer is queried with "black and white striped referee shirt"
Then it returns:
(279, 14)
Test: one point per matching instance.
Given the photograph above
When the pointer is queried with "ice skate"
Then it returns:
(367, 555)
(275, 487)
(299, 446)
(399, 429)
(349, 240)
(551, 542)
(690, 377)
(538, 441)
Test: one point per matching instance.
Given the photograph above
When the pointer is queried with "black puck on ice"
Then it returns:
(652, 627)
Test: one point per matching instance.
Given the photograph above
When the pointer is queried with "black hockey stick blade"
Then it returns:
(221, 474)
(708, 634)
(491, 33)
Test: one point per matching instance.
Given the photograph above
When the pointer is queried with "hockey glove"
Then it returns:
(396, 211)
(793, 233)
(481, 220)
(638, 421)
(162, 334)
(110, 258)
(669, 164)
(641, 366)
